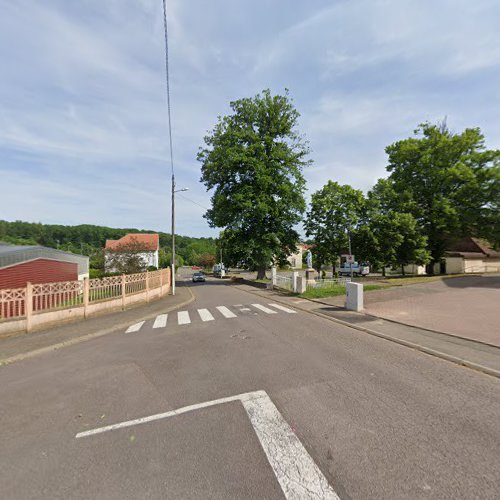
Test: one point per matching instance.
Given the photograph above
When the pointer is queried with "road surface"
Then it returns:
(233, 397)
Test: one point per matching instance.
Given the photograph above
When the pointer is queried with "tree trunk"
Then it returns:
(402, 269)
(261, 273)
(383, 270)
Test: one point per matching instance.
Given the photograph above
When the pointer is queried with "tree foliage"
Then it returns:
(334, 212)
(449, 182)
(253, 162)
(89, 240)
(126, 258)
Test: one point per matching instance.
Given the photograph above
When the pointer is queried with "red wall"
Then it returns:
(37, 271)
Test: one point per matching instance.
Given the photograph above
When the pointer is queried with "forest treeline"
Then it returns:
(87, 239)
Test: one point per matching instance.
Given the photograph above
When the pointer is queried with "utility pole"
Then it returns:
(350, 252)
(173, 235)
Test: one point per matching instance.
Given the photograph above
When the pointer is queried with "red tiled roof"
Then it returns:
(149, 242)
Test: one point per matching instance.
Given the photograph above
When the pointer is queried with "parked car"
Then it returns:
(358, 269)
(199, 276)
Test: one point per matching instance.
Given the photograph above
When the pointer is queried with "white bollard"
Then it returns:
(354, 296)
(273, 276)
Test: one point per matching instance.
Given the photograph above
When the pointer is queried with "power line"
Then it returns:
(192, 201)
(167, 74)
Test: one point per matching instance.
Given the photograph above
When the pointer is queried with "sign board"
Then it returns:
(349, 259)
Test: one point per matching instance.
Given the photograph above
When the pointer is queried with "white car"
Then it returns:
(358, 269)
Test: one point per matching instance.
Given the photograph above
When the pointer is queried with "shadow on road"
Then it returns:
(473, 282)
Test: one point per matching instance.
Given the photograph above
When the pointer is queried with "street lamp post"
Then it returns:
(173, 230)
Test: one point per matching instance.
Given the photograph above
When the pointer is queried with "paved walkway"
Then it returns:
(467, 307)
(23, 345)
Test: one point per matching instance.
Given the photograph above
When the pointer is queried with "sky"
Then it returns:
(83, 116)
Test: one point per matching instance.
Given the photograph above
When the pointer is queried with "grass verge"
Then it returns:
(318, 293)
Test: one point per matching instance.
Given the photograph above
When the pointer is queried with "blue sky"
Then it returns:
(83, 130)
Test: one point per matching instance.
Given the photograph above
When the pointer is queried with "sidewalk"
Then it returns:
(482, 357)
(29, 344)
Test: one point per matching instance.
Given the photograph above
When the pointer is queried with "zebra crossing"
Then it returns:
(204, 315)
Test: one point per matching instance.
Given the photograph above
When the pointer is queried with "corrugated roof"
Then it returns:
(16, 254)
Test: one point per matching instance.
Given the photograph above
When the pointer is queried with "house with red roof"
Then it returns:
(146, 245)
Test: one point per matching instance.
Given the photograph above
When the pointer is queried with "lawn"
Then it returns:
(318, 293)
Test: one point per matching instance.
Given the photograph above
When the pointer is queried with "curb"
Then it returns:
(418, 347)
(395, 321)
(90, 336)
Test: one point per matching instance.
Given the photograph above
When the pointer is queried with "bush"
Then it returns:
(152, 268)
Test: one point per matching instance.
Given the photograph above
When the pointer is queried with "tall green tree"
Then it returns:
(253, 161)
(449, 182)
(335, 212)
(387, 236)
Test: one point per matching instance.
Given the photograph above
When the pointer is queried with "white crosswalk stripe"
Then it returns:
(135, 328)
(205, 315)
(183, 318)
(226, 312)
(264, 309)
(283, 308)
(160, 321)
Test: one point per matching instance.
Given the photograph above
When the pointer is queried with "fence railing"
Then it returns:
(285, 282)
(327, 283)
(46, 297)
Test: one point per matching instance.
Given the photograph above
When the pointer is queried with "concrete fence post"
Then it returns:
(123, 292)
(86, 290)
(301, 284)
(28, 305)
(147, 286)
(295, 276)
(273, 276)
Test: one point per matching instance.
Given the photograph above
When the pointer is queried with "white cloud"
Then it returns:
(82, 93)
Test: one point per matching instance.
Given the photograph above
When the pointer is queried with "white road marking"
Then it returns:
(135, 328)
(183, 318)
(160, 321)
(226, 312)
(264, 308)
(205, 315)
(167, 414)
(245, 309)
(295, 470)
(283, 308)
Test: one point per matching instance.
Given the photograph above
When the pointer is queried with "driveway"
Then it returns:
(467, 306)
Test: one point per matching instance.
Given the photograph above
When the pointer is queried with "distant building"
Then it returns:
(295, 259)
(36, 264)
(147, 244)
(471, 255)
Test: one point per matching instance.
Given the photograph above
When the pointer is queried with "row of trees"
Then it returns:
(441, 186)
(89, 240)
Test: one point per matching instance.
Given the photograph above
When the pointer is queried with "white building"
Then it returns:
(148, 244)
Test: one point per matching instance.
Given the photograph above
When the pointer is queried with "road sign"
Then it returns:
(349, 259)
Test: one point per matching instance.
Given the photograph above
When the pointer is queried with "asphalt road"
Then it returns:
(374, 419)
